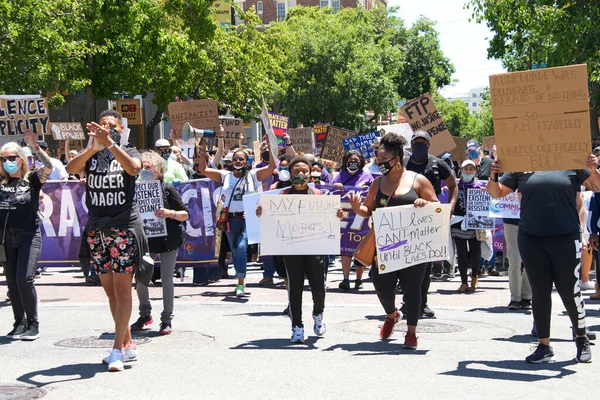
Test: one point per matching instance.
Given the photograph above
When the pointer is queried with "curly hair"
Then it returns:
(394, 144)
(298, 160)
(349, 154)
(158, 163)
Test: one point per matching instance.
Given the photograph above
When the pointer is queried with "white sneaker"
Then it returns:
(297, 335)
(115, 361)
(239, 291)
(588, 286)
(319, 326)
(129, 354)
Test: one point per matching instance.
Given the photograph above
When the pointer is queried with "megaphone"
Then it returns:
(188, 131)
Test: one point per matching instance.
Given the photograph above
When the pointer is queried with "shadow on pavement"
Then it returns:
(500, 310)
(70, 372)
(277, 344)
(512, 370)
(527, 339)
(382, 347)
(259, 314)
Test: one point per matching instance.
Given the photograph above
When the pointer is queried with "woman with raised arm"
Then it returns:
(20, 230)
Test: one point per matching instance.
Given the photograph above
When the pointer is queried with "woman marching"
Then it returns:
(174, 211)
(397, 187)
(21, 236)
(299, 266)
(241, 181)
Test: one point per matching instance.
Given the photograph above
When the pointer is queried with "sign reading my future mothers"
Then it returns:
(299, 225)
(407, 235)
(541, 119)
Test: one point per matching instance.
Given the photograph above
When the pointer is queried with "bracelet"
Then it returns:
(111, 146)
(288, 145)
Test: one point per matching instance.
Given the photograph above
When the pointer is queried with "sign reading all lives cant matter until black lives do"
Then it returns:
(19, 113)
(149, 198)
(541, 119)
(299, 225)
(407, 235)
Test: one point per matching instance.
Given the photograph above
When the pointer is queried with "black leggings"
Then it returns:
(553, 259)
(473, 254)
(411, 279)
(297, 267)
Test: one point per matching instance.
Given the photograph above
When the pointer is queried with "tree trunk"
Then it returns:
(150, 128)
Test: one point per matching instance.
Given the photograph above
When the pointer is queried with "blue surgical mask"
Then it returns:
(473, 155)
(467, 177)
(11, 166)
(250, 160)
(283, 169)
(146, 175)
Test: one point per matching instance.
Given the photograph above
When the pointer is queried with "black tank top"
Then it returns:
(403, 200)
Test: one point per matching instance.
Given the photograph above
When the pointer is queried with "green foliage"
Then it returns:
(456, 115)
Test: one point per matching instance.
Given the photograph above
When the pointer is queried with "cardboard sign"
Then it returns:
(280, 124)
(362, 143)
(489, 142)
(67, 130)
(541, 119)
(422, 115)
(334, 148)
(256, 148)
(269, 131)
(459, 153)
(478, 210)
(407, 235)
(303, 139)
(234, 129)
(149, 198)
(17, 114)
(131, 109)
(320, 131)
(299, 225)
(202, 114)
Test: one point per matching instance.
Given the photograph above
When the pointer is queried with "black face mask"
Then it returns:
(352, 166)
(385, 168)
(165, 153)
(265, 156)
(115, 136)
(228, 167)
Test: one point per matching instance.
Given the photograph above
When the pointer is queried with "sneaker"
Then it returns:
(319, 327)
(358, 284)
(129, 355)
(19, 329)
(542, 354)
(525, 304)
(239, 291)
(142, 322)
(345, 284)
(514, 305)
(410, 341)
(584, 354)
(297, 335)
(32, 332)
(588, 286)
(266, 281)
(493, 272)
(427, 312)
(115, 361)
(165, 329)
(388, 326)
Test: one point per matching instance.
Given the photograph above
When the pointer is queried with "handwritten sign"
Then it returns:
(303, 139)
(407, 235)
(17, 114)
(478, 210)
(234, 129)
(149, 198)
(506, 207)
(269, 131)
(130, 109)
(280, 126)
(362, 143)
(459, 153)
(299, 225)
(334, 148)
(489, 142)
(202, 114)
(67, 130)
(422, 115)
(187, 147)
(251, 202)
(320, 131)
(541, 119)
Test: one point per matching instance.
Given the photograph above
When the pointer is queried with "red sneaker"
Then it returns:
(410, 341)
(141, 323)
(388, 326)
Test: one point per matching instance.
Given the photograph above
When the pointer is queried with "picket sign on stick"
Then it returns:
(302, 139)
(202, 114)
(334, 148)
(234, 129)
(541, 119)
(67, 130)
(269, 131)
(320, 131)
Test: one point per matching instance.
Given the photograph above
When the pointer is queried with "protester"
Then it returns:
(483, 164)
(174, 171)
(398, 187)
(59, 173)
(550, 244)
(468, 248)
(236, 184)
(182, 159)
(371, 166)
(114, 232)
(518, 282)
(583, 205)
(311, 266)
(21, 235)
(283, 173)
(174, 212)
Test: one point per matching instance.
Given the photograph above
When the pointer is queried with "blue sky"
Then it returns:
(464, 42)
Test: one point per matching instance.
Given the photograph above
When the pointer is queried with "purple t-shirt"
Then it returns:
(326, 177)
(361, 178)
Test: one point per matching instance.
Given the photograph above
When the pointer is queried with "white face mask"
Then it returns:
(173, 156)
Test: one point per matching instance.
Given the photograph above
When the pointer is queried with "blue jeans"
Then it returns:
(238, 241)
(268, 266)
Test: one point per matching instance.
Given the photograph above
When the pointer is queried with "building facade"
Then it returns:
(472, 99)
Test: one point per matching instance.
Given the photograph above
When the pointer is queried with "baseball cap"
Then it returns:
(42, 144)
(467, 162)
(27, 151)
(472, 145)
(228, 157)
(162, 143)
(421, 134)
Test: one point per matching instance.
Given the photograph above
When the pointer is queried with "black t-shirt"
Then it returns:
(20, 199)
(548, 203)
(484, 169)
(426, 169)
(109, 191)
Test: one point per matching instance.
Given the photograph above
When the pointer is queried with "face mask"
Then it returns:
(250, 160)
(420, 152)
(467, 177)
(473, 155)
(352, 166)
(165, 153)
(385, 168)
(283, 169)
(284, 175)
(173, 157)
(228, 167)
(115, 136)
(10, 166)
(146, 175)
(297, 180)
(265, 156)
(238, 167)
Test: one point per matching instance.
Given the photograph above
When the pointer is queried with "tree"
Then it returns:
(456, 115)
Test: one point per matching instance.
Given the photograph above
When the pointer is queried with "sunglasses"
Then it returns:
(9, 158)
(238, 159)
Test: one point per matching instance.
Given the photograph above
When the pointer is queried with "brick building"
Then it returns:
(276, 10)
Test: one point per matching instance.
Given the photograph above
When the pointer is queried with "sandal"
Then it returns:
(463, 288)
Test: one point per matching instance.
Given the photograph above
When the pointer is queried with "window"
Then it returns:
(291, 4)
(259, 7)
(324, 3)
(474, 94)
(336, 5)
(280, 11)
(474, 104)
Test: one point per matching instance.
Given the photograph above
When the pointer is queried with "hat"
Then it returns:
(162, 143)
(467, 162)
(228, 157)
(27, 151)
(42, 144)
(472, 145)
(421, 134)
(596, 150)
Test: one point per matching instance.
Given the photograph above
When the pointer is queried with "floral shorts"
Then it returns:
(115, 252)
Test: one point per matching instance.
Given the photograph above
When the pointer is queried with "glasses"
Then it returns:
(9, 158)
(239, 159)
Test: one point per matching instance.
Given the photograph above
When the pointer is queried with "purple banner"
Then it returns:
(498, 236)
